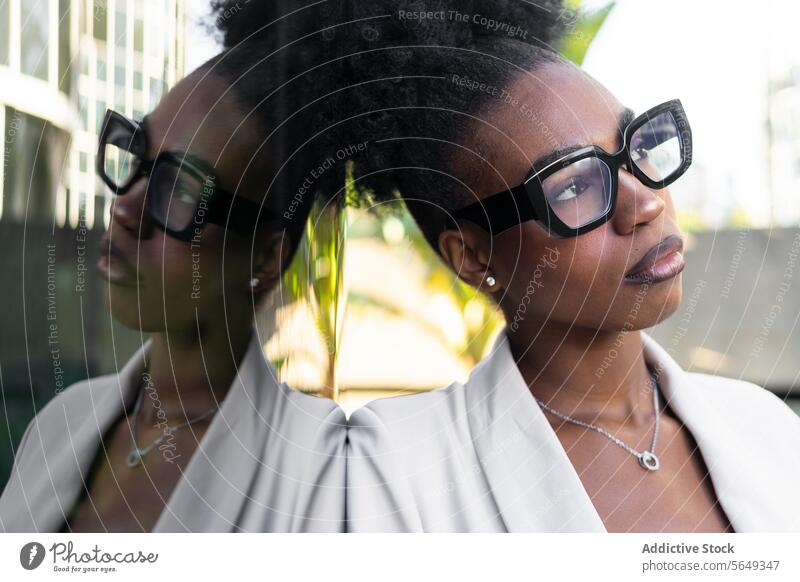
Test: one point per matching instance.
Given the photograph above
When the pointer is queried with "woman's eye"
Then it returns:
(182, 193)
(572, 189)
(639, 153)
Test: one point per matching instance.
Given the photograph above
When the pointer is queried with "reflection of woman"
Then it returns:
(537, 186)
(194, 433)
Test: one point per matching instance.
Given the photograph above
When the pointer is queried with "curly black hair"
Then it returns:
(401, 77)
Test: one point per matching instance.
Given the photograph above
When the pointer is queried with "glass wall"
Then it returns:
(35, 18)
(4, 30)
(64, 47)
(31, 183)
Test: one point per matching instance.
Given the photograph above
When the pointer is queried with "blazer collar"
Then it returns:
(210, 495)
(54, 470)
(535, 484)
(216, 483)
(753, 486)
(527, 469)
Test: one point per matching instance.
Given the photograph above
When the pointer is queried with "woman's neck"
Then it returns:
(190, 371)
(587, 374)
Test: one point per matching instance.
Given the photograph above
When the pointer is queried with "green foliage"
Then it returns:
(582, 27)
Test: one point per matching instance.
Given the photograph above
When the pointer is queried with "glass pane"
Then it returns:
(119, 164)
(100, 114)
(174, 195)
(34, 17)
(120, 29)
(138, 25)
(4, 40)
(100, 17)
(64, 49)
(579, 193)
(36, 156)
(656, 147)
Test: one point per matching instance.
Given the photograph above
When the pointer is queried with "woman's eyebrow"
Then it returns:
(625, 118)
(628, 115)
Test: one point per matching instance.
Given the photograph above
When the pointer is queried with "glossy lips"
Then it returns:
(115, 266)
(663, 261)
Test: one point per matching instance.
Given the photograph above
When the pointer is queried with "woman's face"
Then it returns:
(576, 281)
(159, 283)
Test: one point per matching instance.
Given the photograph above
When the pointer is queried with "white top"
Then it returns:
(482, 456)
(271, 460)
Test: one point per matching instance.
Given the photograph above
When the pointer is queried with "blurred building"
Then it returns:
(784, 143)
(737, 73)
(62, 63)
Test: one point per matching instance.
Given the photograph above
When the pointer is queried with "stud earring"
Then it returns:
(490, 281)
(254, 282)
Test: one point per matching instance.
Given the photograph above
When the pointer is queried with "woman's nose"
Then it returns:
(636, 204)
(130, 211)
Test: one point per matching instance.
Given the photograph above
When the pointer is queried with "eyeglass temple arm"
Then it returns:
(498, 212)
(239, 213)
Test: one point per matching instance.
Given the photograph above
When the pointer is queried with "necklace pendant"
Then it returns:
(649, 461)
(135, 458)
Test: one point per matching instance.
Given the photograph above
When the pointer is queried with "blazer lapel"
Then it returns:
(216, 483)
(528, 471)
(61, 450)
(536, 487)
(757, 491)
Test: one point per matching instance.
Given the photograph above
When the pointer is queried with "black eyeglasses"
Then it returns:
(578, 192)
(182, 190)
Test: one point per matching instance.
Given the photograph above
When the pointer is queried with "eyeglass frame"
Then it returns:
(223, 208)
(518, 205)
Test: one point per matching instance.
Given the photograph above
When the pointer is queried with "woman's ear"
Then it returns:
(270, 255)
(468, 250)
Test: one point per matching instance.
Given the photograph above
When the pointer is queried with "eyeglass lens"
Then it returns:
(656, 147)
(174, 195)
(580, 192)
(120, 163)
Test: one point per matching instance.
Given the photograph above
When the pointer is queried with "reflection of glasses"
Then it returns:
(578, 192)
(182, 189)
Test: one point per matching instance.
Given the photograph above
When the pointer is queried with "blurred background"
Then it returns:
(367, 310)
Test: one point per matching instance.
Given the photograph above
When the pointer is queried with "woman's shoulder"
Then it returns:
(411, 430)
(71, 407)
(412, 411)
(76, 400)
(756, 403)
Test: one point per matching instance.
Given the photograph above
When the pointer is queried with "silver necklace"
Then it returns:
(647, 459)
(137, 453)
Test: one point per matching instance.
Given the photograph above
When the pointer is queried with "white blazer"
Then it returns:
(272, 459)
(482, 457)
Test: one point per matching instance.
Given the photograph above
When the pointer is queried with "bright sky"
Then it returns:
(199, 45)
(714, 55)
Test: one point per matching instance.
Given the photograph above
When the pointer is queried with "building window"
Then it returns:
(119, 77)
(120, 29)
(37, 155)
(100, 114)
(64, 47)
(4, 30)
(100, 17)
(83, 106)
(102, 72)
(34, 18)
(137, 80)
(138, 35)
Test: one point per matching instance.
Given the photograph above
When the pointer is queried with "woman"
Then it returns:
(537, 186)
(195, 433)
